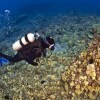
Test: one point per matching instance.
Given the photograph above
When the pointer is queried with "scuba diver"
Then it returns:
(29, 48)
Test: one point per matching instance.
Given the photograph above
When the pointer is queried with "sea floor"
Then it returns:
(72, 34)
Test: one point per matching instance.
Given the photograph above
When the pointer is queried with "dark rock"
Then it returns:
(6, 97)
(43, 81)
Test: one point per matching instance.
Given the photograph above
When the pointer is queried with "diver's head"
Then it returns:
(50, 42)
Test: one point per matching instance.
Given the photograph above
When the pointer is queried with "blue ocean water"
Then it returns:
(87, 6)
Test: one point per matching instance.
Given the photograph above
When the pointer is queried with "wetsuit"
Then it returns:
(29, 52)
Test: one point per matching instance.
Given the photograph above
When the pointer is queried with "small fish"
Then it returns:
(3, 61)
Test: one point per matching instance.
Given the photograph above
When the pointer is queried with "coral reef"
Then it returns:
(82, 78)
(55, 78)
(59, 76)
(24, 82)
(95, 28)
